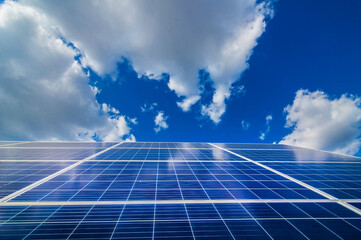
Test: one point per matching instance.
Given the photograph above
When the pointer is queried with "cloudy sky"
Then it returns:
(205, 70)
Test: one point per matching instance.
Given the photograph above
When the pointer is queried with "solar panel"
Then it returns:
(66, 190)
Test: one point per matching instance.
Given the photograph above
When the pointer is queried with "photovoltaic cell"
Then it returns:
(176, 190)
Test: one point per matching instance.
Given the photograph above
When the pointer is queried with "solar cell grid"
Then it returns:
(177, 190)
(340, 180)
(93, 181)
(17, 175)
(255, 220)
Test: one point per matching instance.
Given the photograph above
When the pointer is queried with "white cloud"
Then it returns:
(245, 125)
(148, 107)
(108, 109)
(133, 120)
(318, 121)
(119, 129)
(175, 37)
(160, 122)
(187, 103)
(217, 108)
(44, 94)
(268, 127)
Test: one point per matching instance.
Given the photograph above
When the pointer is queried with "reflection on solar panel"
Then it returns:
(71, 190)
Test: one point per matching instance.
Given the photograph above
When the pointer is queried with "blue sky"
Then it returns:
(279, 48)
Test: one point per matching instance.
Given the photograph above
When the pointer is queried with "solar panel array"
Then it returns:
(75, 190)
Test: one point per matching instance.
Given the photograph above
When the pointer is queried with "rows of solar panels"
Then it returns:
(70, 190)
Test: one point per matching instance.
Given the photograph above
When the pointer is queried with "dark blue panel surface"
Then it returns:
(341, 180)
(17, 175)
(196, 188)
(104, 181)
(200, 221)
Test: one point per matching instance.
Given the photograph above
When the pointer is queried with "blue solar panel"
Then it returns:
(222, 220)
(17, 175)
(94, 181)
(66, 190)
(342, 180)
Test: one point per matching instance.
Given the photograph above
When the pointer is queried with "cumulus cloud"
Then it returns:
(268, 127)
(187, 103)
(321, 122)
(148, 107)
(44, 93)
(160, 122)
(174, 37)
(245, 125)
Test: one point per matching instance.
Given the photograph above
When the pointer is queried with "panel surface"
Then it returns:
(122, 181)
(177, 191)
(186, 221)
(17, 175)
(342, 180)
